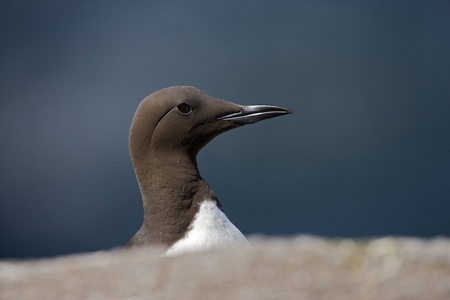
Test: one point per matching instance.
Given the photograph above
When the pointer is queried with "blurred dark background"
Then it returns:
(367, 152)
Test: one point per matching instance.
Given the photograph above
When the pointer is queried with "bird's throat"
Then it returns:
(172, 190)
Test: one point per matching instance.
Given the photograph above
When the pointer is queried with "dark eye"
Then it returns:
(184, 108)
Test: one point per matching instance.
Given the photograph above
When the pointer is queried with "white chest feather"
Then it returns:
(210, 229)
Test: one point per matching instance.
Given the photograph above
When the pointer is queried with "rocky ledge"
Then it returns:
(303, 267)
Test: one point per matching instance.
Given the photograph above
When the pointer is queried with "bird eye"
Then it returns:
(184, 108)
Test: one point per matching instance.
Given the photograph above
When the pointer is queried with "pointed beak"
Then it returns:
(255, 113)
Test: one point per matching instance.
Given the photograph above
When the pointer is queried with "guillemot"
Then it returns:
(168, 130)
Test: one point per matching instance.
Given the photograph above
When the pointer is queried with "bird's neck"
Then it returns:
(172, 190)
(157, 172)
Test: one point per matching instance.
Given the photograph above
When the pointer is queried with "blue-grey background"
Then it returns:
(367, 152)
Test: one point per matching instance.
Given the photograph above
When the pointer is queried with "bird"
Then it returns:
(169, 128)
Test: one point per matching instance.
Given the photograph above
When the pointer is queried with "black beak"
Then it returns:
(255, 113)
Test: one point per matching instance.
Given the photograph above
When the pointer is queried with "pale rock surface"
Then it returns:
(277, 268)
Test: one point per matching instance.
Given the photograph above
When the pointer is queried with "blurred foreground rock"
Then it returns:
(294, 268)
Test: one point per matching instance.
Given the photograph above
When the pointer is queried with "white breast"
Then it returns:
(210, 229)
